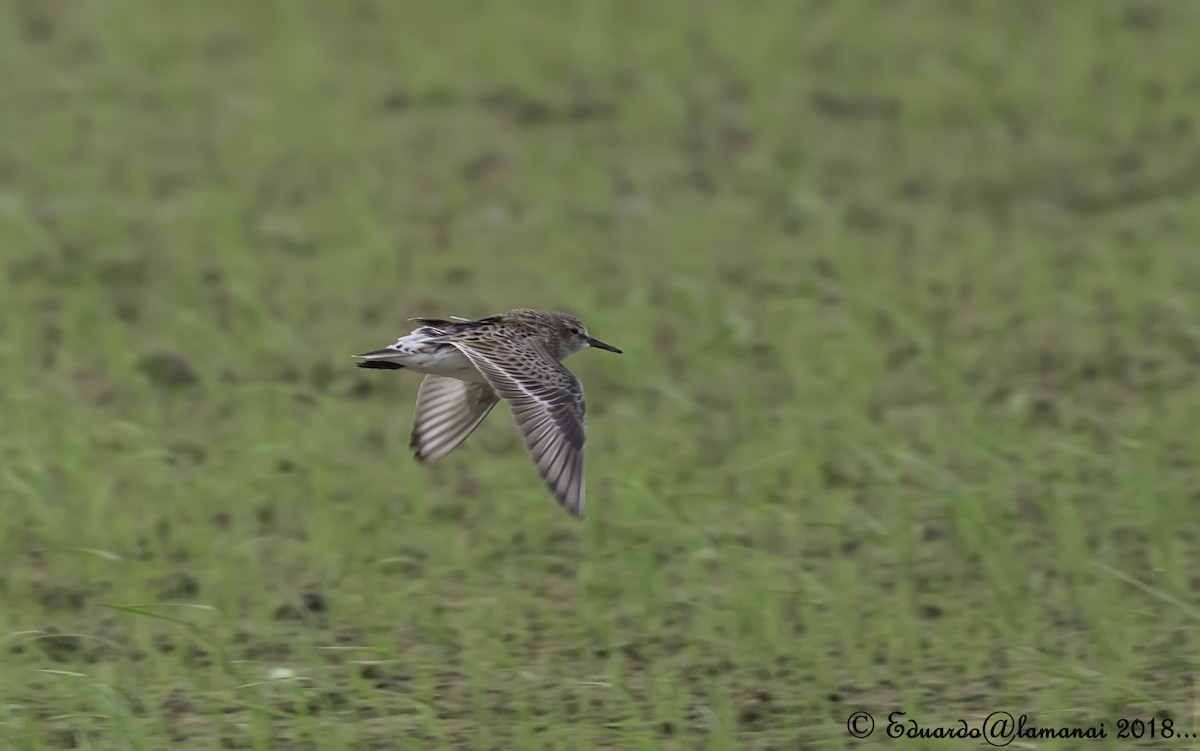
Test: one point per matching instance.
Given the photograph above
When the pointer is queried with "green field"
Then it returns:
(908, 417)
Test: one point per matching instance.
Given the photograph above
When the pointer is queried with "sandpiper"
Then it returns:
(471, 365)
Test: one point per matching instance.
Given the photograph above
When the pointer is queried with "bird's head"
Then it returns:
(572, 336)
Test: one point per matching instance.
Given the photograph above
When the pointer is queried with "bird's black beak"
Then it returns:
(597, 343)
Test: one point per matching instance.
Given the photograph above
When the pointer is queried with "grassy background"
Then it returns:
(907, 418)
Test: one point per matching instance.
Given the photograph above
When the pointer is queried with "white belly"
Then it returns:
(450, 363)
(415, 352)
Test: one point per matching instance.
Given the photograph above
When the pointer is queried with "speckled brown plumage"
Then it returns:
(470, 365)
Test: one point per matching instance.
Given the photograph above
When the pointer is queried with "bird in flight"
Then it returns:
(471, 365)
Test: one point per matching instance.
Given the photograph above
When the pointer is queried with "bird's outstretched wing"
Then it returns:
(448, 410)
(547, 402)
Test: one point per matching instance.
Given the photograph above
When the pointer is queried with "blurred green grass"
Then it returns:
(906, 418)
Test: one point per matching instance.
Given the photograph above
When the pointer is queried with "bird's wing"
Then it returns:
(448, 410)
(547, 402)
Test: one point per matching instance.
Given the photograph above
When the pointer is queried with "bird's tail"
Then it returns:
(384, 359)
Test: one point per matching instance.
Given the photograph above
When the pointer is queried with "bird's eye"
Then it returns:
(575, 331)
